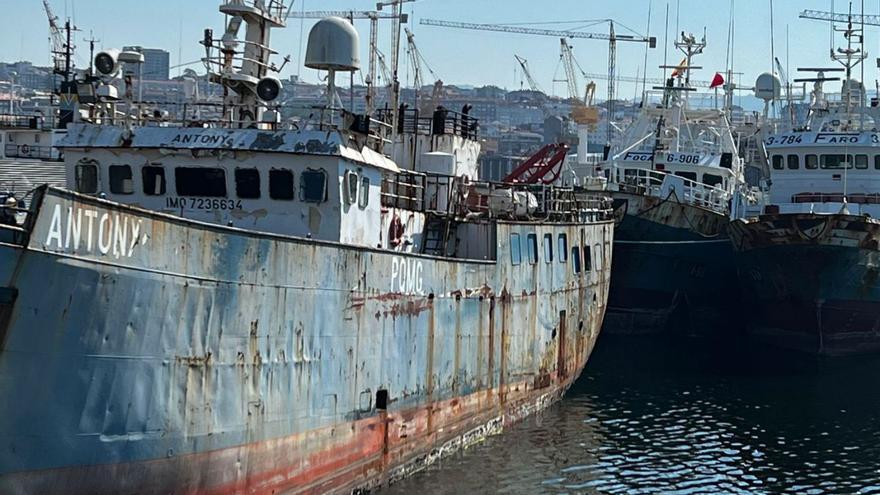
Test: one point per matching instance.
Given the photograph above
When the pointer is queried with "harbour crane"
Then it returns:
(417, 61)
(397, 21)
(868, 20)
(351, 15)
(60, 47)
(528, 74)
(612, 37)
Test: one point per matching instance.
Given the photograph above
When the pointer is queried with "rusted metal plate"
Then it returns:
(812, 281)
(670, 257)
(162, 355)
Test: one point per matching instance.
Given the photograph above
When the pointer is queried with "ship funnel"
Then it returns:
(333, 46)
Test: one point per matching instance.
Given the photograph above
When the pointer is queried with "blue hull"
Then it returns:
(812, 283)
(151, 354)
(673, 267)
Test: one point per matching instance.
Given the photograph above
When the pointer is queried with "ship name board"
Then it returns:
(633, 156)
(203, 139)
(406, 276)
(822, 138)
(682, 158)
(670, 158)
(90, 231)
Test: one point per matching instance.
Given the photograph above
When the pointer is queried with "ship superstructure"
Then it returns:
(258, 306)
(809, 261)
(677, 180)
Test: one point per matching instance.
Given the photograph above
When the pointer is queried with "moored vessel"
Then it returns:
(809, 263)
(676, 180)
(257, 306)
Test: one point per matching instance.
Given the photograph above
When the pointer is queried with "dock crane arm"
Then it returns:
(524, 64)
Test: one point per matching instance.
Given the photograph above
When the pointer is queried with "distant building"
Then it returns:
(156, 63)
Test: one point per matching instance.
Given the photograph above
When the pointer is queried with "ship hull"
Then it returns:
(159, 355)
(673, 269)
(811, 281)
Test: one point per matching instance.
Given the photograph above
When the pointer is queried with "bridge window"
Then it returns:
(712, 180)
(588, 259)
(794, 162)
(247, 183)
(87, 176)
(154, 180)
(532, 243)
(687, 175)
(313, 186)
(862, 162)
(548, 248)
(777, 162)
(563, 248)
(120, 179)
(515, 249)
(877, 162)
(200, 181)
(835, 161)
(576, 259)
(364, 197)
(281, 185)
(811, 162)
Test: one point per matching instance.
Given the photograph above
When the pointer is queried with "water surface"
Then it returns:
(686, 416)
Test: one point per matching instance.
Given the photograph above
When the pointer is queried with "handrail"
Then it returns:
(457, 197)
(650, 183)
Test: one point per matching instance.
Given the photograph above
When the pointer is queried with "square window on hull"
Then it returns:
(247, 183)
(313, 186)
(120, 179)
(197, 181)
(281, 185)
(87, 177)
(154, 180)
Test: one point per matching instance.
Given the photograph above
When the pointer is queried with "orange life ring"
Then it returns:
(396, 231)
(25, 149)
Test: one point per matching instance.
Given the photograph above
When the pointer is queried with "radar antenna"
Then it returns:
(245, 72)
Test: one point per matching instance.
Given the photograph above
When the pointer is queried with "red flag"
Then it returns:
(717, 81)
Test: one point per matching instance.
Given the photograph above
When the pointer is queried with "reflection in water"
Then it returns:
(687, 417)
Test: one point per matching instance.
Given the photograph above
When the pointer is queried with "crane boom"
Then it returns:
(528, 73)
(539, 32)
(868, 20)
(611, 37)
(345, 14)
(631, 79)
(56, 35)
(568, 63)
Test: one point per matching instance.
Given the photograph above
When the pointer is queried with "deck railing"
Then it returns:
(26, 151)
(661, 184)
(460, 198)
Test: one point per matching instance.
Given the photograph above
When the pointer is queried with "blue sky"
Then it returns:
(464, 56)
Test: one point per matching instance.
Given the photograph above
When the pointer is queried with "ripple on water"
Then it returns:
(633, 424)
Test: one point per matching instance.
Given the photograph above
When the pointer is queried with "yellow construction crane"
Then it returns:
(612, 37)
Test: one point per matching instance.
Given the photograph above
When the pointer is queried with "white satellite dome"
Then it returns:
(768, 87)
(333, 45)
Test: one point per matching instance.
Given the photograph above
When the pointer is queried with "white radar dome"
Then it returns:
(768, 87)
(333, 45)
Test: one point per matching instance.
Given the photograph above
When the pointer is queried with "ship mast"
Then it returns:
(241, 72)
(850, 58)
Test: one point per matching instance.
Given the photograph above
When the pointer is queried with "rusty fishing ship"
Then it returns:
(809, 263)
(677, 180)
(251, 306)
